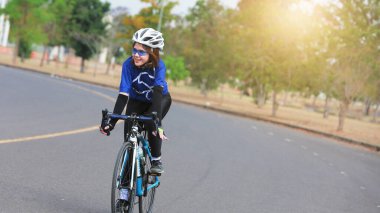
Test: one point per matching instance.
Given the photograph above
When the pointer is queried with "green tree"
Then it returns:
(147, 17)
(270, 47)
(24, 49)
(86, 28)
(371, 92)
(374, 90)
(205, 44)
(115, 40)
(352, 29)
(176, 68)
(58, 13)
(26, 18)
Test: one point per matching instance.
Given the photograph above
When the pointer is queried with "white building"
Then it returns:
(4, 26)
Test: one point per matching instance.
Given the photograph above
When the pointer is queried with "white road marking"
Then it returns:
(288, 140)
(362, 188)
(254, 127)
(270, 133)
(343, 173)
(304, 147)
(315, 154)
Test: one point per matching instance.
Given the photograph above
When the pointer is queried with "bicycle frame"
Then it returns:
(140, 191)
(135, 138)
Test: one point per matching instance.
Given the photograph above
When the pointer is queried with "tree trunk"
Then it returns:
(367, 107)
(113, 65)
(204, 87)
(375, 112)
(15, 51)
(67, 59)
(274, 104)
(326, 110)
(82, 65)
(343, 107)
(260, 96)
(43, 56)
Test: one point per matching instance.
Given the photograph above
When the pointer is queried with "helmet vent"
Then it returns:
(147, 38)
(143, 32)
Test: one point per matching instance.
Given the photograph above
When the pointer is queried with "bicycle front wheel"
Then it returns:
(122, 196)
(146, 201)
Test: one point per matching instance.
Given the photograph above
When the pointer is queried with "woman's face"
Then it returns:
(140, 56)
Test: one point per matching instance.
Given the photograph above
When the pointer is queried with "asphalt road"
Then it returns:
(52, 158)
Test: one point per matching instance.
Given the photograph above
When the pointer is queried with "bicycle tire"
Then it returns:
(146, 201)
(117, 181)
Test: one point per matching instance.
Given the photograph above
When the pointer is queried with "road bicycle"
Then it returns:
(131, 177)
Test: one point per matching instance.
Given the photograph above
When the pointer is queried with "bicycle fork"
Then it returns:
(136, 168)
(137, 154)
(134, 159)
(124, 192)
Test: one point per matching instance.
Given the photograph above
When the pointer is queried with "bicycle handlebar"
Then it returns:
(133, 117)
(152, 117)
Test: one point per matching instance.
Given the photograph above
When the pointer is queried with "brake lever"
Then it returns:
(105, 118)
(105, 114)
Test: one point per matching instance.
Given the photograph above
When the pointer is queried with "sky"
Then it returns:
(134, 6)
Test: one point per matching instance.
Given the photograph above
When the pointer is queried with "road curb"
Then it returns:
(246, 115)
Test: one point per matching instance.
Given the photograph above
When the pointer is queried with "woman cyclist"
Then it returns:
(143, 89)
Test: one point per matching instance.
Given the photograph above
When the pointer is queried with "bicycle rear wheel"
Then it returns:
(146, 201)
(121, 180)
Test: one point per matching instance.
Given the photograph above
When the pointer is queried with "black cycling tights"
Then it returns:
(138, 107)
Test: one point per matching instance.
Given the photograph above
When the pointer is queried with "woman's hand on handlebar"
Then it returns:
(106, 129)
(105, 126)
(161, 133)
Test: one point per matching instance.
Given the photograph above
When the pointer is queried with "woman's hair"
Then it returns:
(154, 56)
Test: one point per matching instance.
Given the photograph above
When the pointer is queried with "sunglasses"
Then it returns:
(139, 52)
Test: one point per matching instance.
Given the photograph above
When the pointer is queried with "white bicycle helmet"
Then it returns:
(149, 37)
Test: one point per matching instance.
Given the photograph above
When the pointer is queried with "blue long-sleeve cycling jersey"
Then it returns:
(138, 83)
